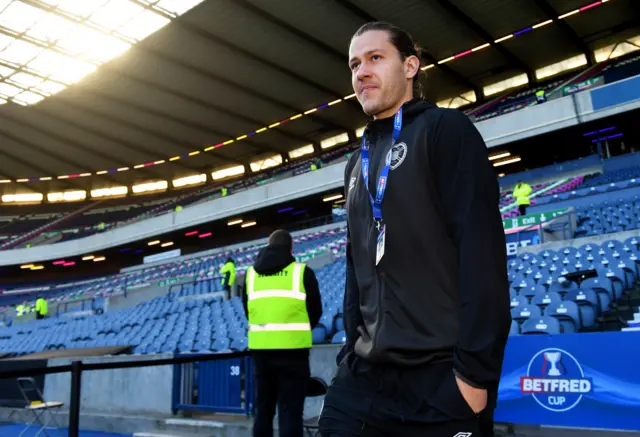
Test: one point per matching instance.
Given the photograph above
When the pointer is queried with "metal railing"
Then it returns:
(77, 368)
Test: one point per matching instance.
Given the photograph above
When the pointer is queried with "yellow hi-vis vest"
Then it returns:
(277, 307)
(42, 307)
(231, 268)
(521, 193)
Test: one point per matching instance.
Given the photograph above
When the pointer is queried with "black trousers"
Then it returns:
(368, 400)
(39, 316)
(523, 209)
(280, 381)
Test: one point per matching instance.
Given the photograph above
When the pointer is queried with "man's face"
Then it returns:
(378, 74)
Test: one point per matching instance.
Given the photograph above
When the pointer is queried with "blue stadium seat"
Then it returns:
(220, 344)
(544, 299)
(563, 287)
(541, 325)
(567, 313)
(530, 292)
(339, 337)
(319, 334)
(515, 328)
(519, 301)
(603, 290)
(588, 303)
(522, 313)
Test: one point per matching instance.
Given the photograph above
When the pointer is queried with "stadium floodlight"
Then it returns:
(228, 172)
(189, 180)
(47, 45)
(334, 141)
(268, 162)
(167, 244)
(67, 196)
(88, 258)
(334, 197)
(153, 243)
(110, 192)
(234, 222)
(23, 198)
(301, 151)
(150, 187)
(247, 224)
(499, 155)
(507, 161)
(98, 259)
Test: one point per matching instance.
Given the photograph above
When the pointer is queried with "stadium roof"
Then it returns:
(223, 83)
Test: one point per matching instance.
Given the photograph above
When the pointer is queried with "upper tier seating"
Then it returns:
(192, 320)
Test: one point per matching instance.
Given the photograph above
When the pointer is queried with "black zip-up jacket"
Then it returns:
(273, 259)
(440, 292)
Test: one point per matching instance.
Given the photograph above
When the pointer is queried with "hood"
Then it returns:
(410, 109)
(272, 259)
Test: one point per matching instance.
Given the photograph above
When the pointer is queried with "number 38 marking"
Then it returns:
(235, 370)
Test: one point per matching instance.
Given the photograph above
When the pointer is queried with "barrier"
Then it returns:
(587, 380)
(549, 226)
(78, 367)
(221, 386)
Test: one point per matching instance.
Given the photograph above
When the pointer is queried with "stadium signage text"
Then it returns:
(555, 380)
(531, 219)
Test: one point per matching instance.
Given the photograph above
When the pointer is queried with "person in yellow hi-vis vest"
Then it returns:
(228, 271)
(283, 305)
(522, 192)
(42, 308)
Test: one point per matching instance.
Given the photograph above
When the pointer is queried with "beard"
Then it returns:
(373, 107)
(382, 101)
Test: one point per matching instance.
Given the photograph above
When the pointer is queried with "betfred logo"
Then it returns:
(555, 380)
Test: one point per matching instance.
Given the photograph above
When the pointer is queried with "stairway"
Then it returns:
(47, 226)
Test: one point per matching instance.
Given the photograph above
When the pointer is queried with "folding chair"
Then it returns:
(316, 387)
(38, 406)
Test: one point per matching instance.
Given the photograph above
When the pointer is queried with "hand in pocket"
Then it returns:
(475, 397)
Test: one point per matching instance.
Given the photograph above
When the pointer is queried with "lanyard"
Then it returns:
(376, 204)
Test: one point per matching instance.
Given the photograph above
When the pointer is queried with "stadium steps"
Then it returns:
(226, 426)
(28, 236)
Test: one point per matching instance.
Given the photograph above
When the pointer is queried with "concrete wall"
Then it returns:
(148, 390)
(145, 390)
(134, 297)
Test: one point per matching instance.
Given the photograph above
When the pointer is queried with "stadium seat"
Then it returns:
(522, 313)
(319, 334)
(339, 337)
(546, 298)
(515, 328)
(567, 313)
(541, 325)
(588, 303)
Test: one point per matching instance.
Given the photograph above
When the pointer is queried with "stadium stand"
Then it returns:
(570, 289)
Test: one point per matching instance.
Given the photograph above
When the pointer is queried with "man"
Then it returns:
(427, 298)
(283, 304)
(42, 308)
(228, 271)
(522, 192)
